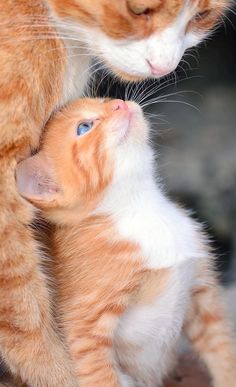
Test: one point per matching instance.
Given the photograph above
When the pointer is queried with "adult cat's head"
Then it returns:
(138, 39)
(89, 145)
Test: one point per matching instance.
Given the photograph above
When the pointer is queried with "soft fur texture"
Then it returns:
(45, 50)
(131, 268)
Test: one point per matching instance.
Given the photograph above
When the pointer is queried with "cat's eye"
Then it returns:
(84, 127)
(202, 15)
(139, 10)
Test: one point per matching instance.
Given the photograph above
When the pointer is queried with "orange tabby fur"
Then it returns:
(27, 340)
(100, 275)
(32, 76)
(118, 21)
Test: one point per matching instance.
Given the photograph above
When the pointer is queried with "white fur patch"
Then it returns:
(152, 330)
(142, 213)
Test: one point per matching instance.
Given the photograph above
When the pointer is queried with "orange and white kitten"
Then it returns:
(131, 268)
(45, 51)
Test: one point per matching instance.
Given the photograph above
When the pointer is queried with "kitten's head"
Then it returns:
(86, 146)
(140, 38)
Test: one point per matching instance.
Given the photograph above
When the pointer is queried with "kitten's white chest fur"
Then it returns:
(144, 215)
(151, 331)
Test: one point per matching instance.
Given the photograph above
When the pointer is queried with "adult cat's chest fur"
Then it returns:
(77, 60)
(73, 54)
(76, 70)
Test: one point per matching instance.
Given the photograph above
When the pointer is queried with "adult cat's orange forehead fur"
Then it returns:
(140, 38)
(137, 18)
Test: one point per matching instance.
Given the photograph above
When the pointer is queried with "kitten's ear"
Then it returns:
(35, 182)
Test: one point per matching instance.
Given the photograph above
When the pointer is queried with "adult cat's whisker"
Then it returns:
(99, 65)
(192, 56)
(111, 83)
(127, 90)
(140, 90)
(170, 101)
(154, 89)
(37, 22)
(170, 95)
(231, 10)
(224, 24)
(94, 72)
(39, 37)
(164, 86)
(229, 20)
(131, 90)
(105, 74)
(150, 87)
(183, 69)
(176, 93)
(35, 26)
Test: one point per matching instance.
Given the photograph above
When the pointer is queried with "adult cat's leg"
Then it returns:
(28, 343)
(208, 329)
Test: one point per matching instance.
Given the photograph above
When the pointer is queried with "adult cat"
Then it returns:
(39, 71)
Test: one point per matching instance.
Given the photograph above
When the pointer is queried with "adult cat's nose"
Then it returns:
(158, 70)
(119, 104)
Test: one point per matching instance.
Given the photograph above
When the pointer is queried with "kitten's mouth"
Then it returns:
(125, 113)
(132, 110)
(126, 126)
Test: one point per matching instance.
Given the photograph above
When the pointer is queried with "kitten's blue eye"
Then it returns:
(84, 127)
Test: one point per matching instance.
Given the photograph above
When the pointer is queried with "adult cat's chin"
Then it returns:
(129, 77)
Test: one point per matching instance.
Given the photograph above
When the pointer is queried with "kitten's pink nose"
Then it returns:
(158, 71)
(118, 104)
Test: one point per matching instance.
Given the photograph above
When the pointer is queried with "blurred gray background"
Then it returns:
(196, 144)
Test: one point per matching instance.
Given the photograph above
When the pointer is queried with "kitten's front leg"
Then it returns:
(92, 352)
(90, 338)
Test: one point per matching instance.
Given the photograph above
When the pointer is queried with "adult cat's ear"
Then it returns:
(35, 181)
